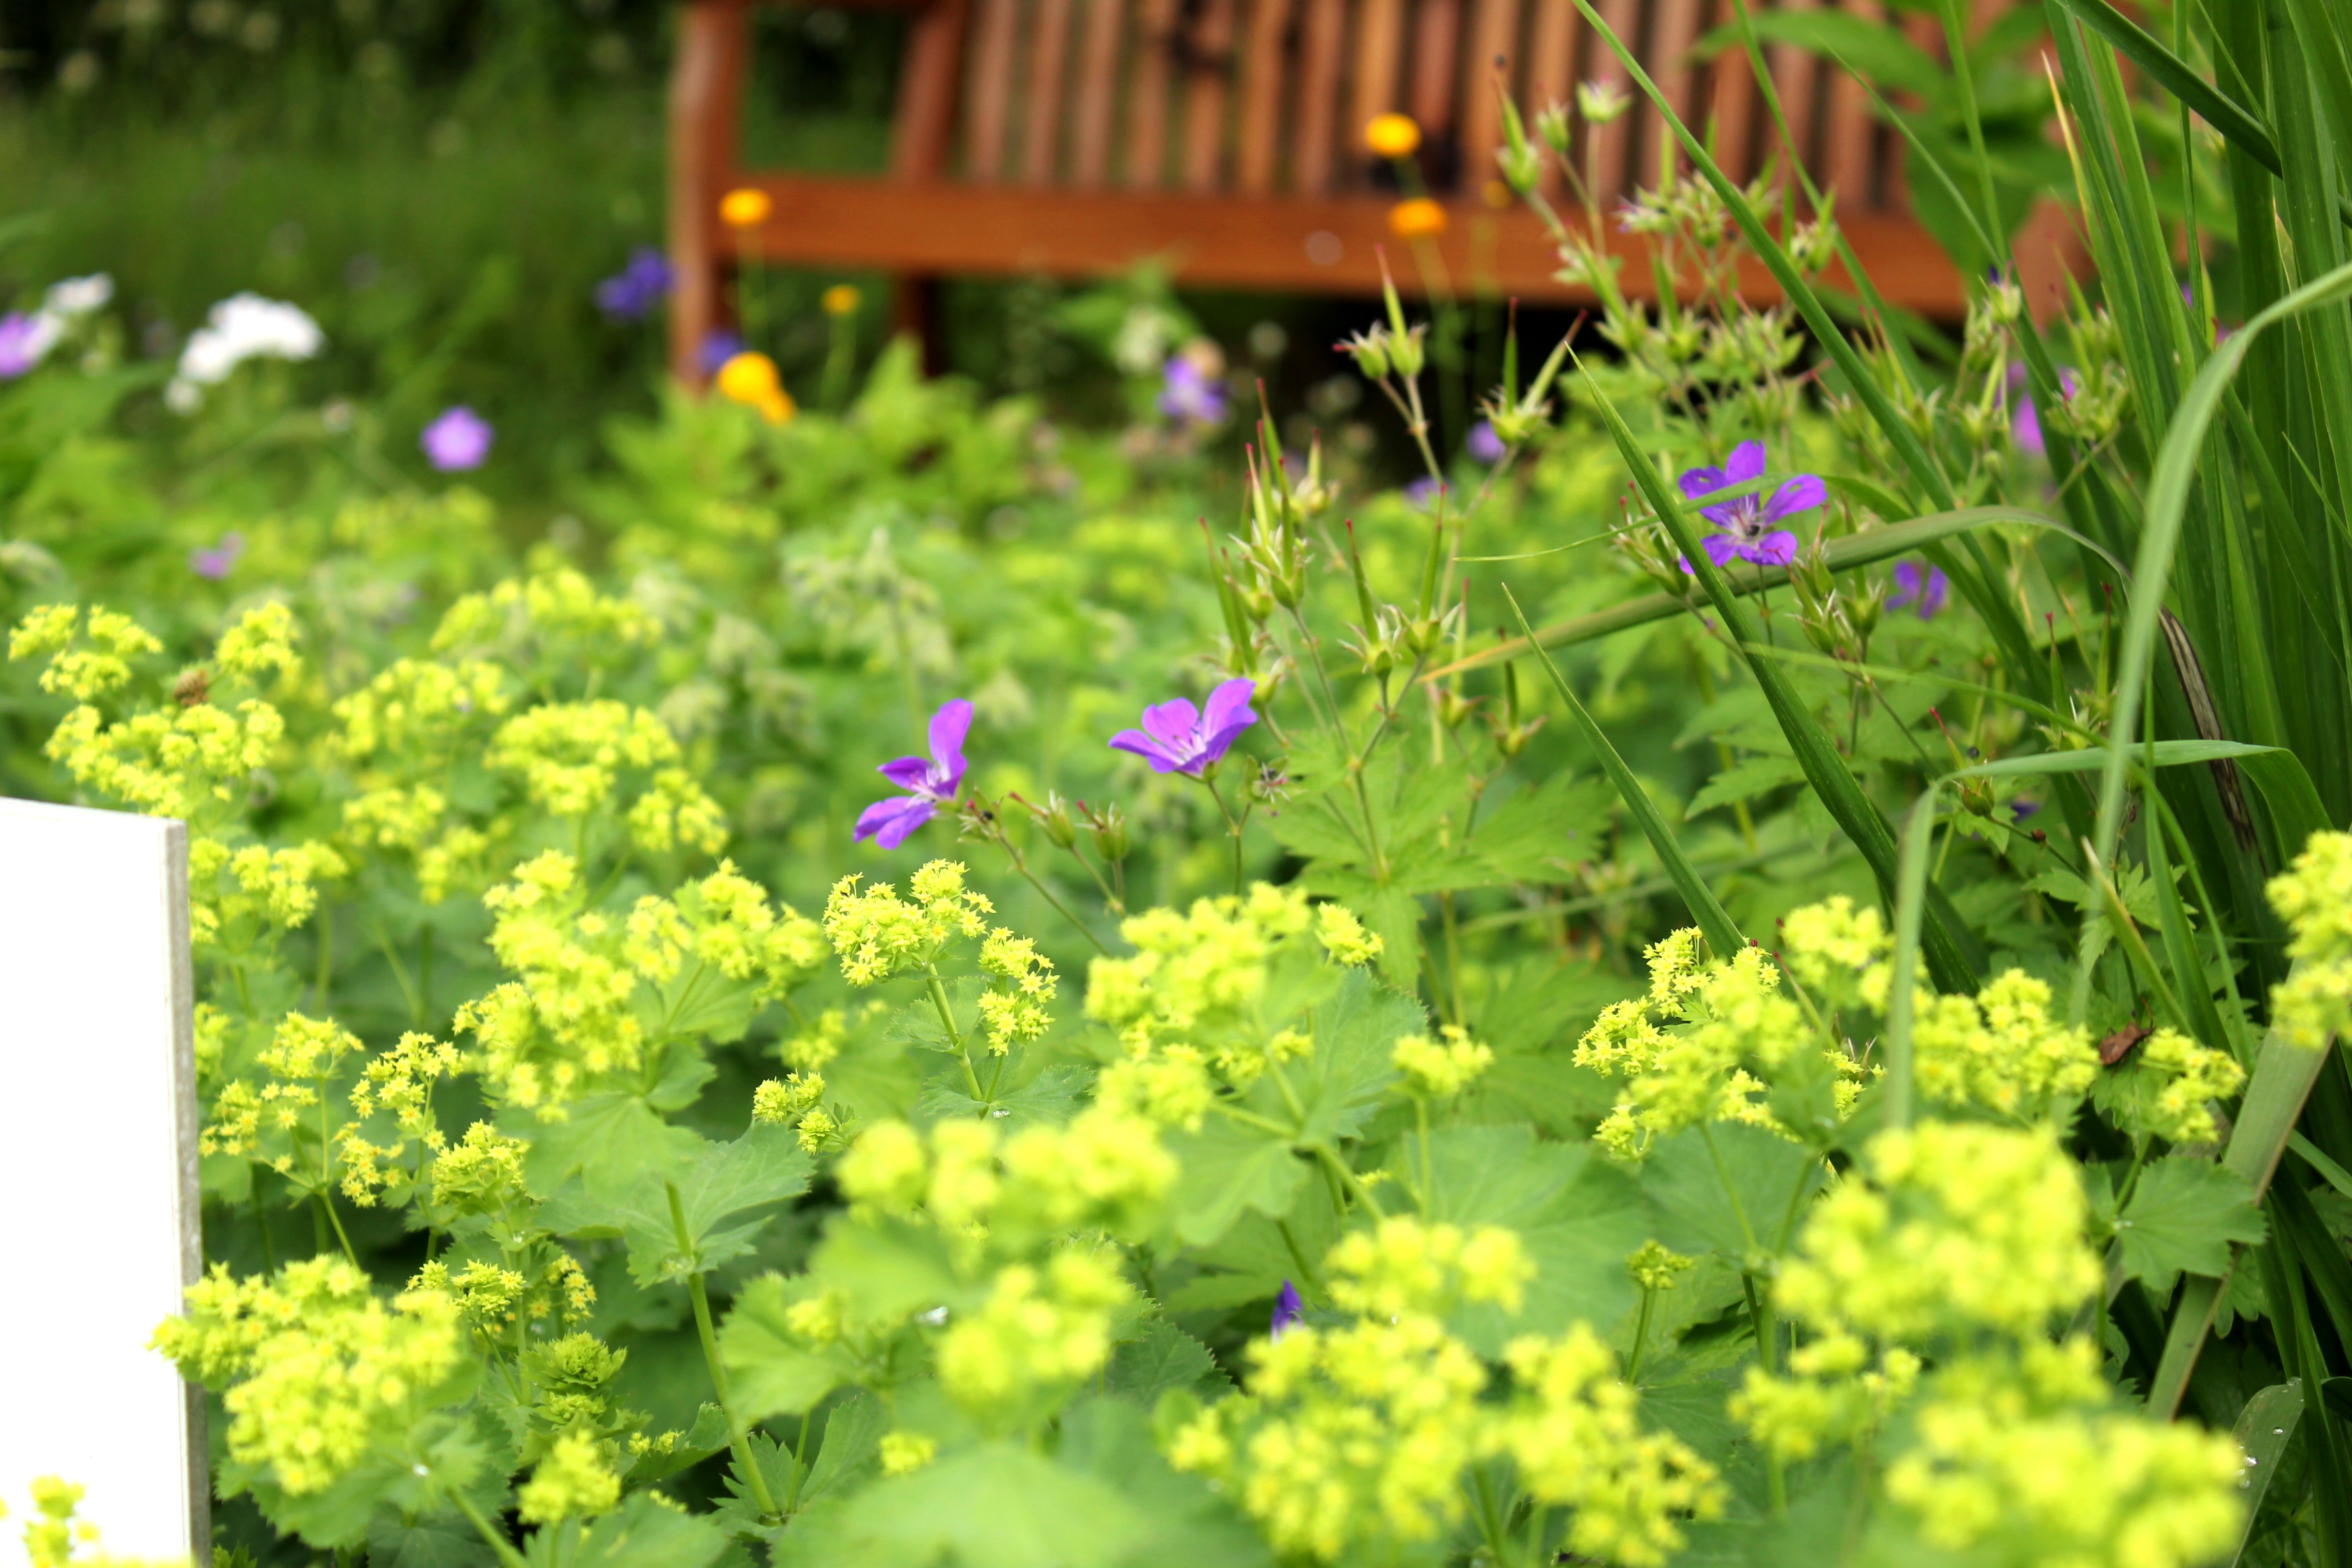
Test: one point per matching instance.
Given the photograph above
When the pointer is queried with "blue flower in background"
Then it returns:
(1928, 592)
(1288, 1311)
(718, 346)
(1190, 395)
(632, 293)
(1483, 445)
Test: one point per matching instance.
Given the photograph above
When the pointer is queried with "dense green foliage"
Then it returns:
(1756, 981)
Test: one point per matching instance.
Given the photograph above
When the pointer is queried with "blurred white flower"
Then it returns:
(72, 297)
(241, 327)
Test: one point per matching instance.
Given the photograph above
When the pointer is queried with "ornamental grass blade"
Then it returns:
(2236, 124)
(1952, 959)
(1714, 923)
(1848, 553)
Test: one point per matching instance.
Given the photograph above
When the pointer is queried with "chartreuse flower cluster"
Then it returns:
(320, 1373)
(594, 993)
(402, 735)
(2002, 1051)
(52, 1535)
(1355, 1435)
(2316, 897)
(1685, 1048)
(1186, 1006)
(1966, 1241)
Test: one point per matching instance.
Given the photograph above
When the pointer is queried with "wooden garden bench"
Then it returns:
(1078, 138)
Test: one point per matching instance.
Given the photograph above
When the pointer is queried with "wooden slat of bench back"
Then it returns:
(1085, 136)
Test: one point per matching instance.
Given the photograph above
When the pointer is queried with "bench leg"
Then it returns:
(915, 312)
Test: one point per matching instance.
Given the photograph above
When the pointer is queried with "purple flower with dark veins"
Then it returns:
(1288, 1311)
(1188, 394)
(929, 785)
(220, 561)
(1928, 591)
(1178, 738)
(1747, 531)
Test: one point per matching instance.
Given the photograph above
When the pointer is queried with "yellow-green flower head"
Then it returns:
(1353, 1436)
(903, 1453)
(1205, 965)
(573, 1481)
(1343, 936)
(1655, 1268)
(887, 1169)
(1441, 1071)
(1833, 1395)
(108, 640)
(2000, 1050)
(2315, 897)
(1959, 1228)
(2021, 1462)
(550, 616)
(1036, 1333)
(1170, 1087)
(484, 1293)
(1576, 1437)
(418, 712)
(542, 1043)
(571, 755)
(2195, 1078)
(1833, 947)
(187, 762)
(260, 644)
(1403, 1265)
(812, 1047)
(1102, 1170)
(877, 934)
(1022, 982)
(481, 1173)
(318, 1372)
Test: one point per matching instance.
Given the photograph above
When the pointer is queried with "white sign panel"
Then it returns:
(99, 1202)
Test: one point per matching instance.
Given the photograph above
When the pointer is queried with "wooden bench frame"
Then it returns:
(919, 223)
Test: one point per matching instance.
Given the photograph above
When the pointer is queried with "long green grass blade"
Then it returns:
(2168, 503)
(1951, 957)
(2223, 113)
(1714, 923)
(1845, 554)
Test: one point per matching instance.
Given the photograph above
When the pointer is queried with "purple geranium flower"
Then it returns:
(1483, 445)
(929, 785)
(459, 438)
(718, 346)
(1747, 523)
(1288, 1311)
(1928, 592)
(220, 561)
(632, 293)
(1186, 393)
(2025, 420)
(1423, 492)
(1178, 738)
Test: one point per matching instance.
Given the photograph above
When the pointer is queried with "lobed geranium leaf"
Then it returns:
(644, 1533)
(1164, 1357)
(1228, 1168)
(2182, 1216)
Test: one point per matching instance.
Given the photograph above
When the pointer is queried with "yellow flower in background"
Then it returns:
(1417, 218)
(1392, 135)
(841, 300)
(750, 379)
(745, 207)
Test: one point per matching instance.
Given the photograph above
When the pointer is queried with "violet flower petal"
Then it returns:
(906, 772)
(1721, 548)
(1802, 493)
(1906, 585)
(889, 822)
(1746, 463)
(1777, 548)
(1175, 723)
(1288, 1311)
(949, 725)
(1161, 759)
(1701, 481)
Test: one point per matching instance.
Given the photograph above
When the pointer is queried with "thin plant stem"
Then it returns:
(938, 996)
(737, 1437)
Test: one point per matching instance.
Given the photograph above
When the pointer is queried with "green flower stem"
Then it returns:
(1345, 1177)
(327, 1208)
(1640, 1337)
(503, 1548)
(1233, 826)
(736, 1437)
(1298, 1256)
(800, 1463)
(939, 995)
(1021, 864)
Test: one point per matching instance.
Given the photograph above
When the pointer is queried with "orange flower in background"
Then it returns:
(750, 379)
(745, 207)
(1419, 218)
(1392, 135)
(841, 300)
